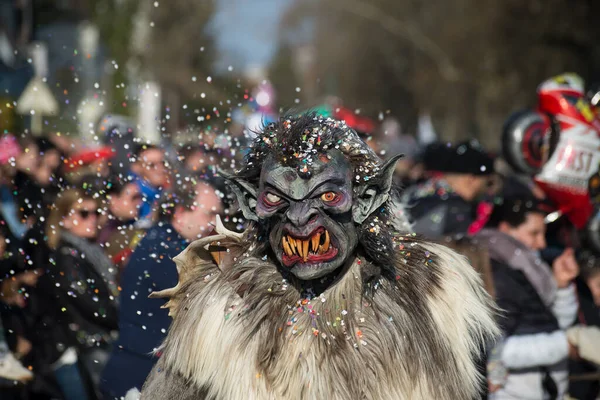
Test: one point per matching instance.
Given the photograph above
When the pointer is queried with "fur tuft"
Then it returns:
(132, 394)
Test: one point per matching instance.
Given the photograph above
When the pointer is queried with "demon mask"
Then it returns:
(312, 187)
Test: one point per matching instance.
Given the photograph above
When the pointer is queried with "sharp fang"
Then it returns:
(315, 242)
(292, 244)
(305, 250)
(326, 244)
(298, 248)
(286, 247)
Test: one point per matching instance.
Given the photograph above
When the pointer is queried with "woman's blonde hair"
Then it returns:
(60, 209)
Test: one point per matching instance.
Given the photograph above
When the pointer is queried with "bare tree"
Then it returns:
(468, 63)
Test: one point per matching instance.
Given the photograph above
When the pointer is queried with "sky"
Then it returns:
(246, 31)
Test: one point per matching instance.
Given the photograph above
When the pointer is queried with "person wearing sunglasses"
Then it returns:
(74, 305)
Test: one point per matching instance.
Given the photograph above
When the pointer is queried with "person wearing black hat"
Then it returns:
(445, 204)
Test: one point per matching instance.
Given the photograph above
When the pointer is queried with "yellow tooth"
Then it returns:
(326, 244)
(286, 246)
(315, 242)
(305, 250)
(292, 244)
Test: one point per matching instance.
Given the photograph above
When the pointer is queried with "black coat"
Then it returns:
(588, 314)
(524, 311)
(70, 306)
(436, 211)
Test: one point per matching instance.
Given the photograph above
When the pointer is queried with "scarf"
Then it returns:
(98, 259)
(509, 251)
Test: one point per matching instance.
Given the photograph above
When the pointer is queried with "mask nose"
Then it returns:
(301, 213)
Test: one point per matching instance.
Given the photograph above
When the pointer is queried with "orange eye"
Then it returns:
(328, 196)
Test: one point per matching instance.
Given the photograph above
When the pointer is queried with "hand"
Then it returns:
(43, 175)
(29, 278)
(23, 347)
(584, 340)
(565, 268)
(28, 161)
(573, 352)
(9, 293)
(493, 387)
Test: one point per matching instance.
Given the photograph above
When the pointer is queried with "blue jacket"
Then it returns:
(142, 323)
(150, 195)
(9, 211)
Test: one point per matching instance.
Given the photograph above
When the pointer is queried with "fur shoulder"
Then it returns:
(463, 312)
(201, 260)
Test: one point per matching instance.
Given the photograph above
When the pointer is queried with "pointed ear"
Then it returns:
(372, 194)
(245, 193)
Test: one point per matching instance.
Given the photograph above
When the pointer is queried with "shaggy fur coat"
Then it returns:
(242, 331)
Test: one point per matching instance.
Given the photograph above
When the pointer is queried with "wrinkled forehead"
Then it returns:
(152, 155)
(299, 178)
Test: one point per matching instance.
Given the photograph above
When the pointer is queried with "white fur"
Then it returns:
(133, 394)
(210, 342)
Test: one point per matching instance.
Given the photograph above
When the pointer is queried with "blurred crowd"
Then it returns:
(535, 263)
(85, 240)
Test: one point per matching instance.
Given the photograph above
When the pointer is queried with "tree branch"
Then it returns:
(403, 30)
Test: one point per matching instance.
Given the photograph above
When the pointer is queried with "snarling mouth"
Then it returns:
(315, 248)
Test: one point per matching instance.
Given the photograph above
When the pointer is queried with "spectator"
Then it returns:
(10, 367)
(538, 302)
(151, 175)
(588, 293)
(75, 308)
(392, 142)
(199, 161)
(120, 232)
(446, 204)
(38, 177)
(591, 276)
(9, 151)
(143, 323)
(94, 161)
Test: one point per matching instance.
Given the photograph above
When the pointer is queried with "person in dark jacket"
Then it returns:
(124, 199)
(446, 204)
(143, 324)
(38, 178)
(538, 304)
(121, 233)
(72, 312)
(588, 293)
(10, 280)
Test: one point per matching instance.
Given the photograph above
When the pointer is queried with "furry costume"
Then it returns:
(397, 319)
